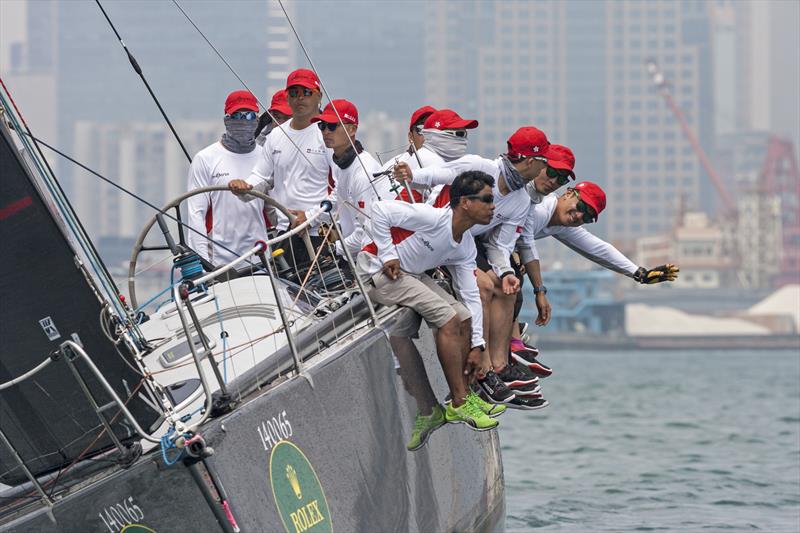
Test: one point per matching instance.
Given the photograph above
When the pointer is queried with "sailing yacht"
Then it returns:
(247, 399)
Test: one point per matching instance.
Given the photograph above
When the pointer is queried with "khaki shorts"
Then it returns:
(420, 293)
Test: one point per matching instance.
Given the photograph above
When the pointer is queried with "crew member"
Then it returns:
(410, 239)
(525, 160)
(294, 164)
(353, 193)
(563, 217)
(234, 226)
(417, 155)
(278, 113)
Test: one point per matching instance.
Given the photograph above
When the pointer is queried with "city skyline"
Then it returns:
(574, 68)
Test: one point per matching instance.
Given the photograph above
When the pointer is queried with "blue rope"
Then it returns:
(154, 298)
(167, 444)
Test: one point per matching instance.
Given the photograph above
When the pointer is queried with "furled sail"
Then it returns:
(46, 299)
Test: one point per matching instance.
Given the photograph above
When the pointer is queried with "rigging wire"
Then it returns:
(265, 107)
(330, 98)
(138, 69)
(130, 193)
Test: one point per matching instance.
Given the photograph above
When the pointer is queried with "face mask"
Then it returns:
(449, 147)
(239, 135)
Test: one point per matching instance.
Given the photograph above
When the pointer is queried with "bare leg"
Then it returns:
(413, 374)
(487, 290)
(449, 347)
(466, 337)
(502, 311)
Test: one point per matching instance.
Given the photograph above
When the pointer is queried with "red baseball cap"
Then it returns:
(528, 142)
(421, 114)
(559, 156)
(280, 104)
(346, 110)
(304, 78)
(593, 195)
(240, 100)
(447, 119)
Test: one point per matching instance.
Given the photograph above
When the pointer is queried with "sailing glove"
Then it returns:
(668, 272)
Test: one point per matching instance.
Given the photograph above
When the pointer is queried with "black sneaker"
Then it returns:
(528, 359)
(512, 376)
(495, 389)
(532, 389)
(527, 403)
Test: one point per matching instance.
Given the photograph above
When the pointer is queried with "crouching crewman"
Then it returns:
(408, 240)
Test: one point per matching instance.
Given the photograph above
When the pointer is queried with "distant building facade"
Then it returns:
(527, 60)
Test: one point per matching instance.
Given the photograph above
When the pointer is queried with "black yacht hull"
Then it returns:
(325, 453)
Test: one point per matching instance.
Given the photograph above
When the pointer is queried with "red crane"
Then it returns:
(665, 89)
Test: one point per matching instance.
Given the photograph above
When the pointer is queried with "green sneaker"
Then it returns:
(424, 426)
(470, 414)
(491, 409)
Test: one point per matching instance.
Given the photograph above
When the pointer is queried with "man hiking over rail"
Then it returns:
(410, 239)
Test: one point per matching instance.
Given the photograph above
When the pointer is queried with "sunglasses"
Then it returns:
(485, 198)
(330, 126)
(561, 174)
(588, 213)
(462, 134)
(239, 115)
(294, 92)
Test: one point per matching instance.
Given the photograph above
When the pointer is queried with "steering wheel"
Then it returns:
(138, 247)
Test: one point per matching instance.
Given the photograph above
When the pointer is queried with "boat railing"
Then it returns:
(263, 250)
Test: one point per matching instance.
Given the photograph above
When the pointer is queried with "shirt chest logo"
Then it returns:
(220, 175)
(318, 151)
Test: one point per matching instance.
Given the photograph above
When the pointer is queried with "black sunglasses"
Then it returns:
(588, 215)
(485, 198)
(294, 92)
(330, 126)
(561, 174)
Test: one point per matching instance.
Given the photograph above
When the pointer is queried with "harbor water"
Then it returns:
(658, 441)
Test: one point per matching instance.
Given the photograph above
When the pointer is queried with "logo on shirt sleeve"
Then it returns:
(361, 204)
(519, 229)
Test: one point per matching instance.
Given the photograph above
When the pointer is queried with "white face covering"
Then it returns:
(449, 147)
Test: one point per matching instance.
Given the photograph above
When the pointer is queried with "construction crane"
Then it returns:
(779, 180)
(665, 89)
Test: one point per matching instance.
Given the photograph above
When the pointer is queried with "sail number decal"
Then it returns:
(120, 515)
(274, 430)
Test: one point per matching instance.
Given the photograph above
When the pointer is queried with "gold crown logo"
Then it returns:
(291, 475)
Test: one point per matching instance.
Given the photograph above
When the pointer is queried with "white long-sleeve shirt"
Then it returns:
(510, 209)
(297, 179)
(353, 194)
(234, 224)
(421, 237)
(579, 239)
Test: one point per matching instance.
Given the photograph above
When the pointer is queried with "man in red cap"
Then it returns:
(232, 225)
(353, 193)
(427, 141)
(563, 218)
(278, 113)
(293, 164)
(525, 160)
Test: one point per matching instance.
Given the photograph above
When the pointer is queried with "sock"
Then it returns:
(517, 344)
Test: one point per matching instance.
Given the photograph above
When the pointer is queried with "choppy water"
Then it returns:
(658, 441)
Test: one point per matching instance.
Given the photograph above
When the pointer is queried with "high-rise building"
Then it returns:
(139, 156)
(577, 71)
(371, 53)
(95, 82)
